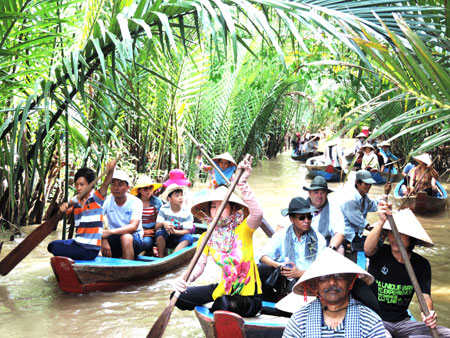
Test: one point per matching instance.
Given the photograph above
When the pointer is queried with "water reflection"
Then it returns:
(31, 303)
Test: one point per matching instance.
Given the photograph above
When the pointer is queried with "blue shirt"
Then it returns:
(359, 322)
(276, 248)
(355, 210)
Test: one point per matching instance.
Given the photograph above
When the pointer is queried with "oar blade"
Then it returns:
(160, 325)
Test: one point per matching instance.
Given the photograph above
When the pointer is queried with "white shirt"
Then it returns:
(119, 216)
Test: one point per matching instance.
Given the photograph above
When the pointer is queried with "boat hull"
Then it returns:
(110, 274)
(421, 203)
(263, 326)
(303, 157)
(316, 167)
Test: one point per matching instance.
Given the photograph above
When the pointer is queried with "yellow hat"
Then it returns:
(144, 181)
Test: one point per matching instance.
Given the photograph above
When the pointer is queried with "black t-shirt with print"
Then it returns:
(392, 287)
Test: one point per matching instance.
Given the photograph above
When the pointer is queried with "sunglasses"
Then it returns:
(336, 276)
(301, 217)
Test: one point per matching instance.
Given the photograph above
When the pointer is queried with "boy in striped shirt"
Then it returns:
(88, 214)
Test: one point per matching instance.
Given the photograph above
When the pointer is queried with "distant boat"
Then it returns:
(316, 167)
(303, 157)
(421, 203)
(109, 274)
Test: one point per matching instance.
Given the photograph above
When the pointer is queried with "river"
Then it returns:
(31, 304)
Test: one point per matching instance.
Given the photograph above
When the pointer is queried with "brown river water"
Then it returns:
(31, 304)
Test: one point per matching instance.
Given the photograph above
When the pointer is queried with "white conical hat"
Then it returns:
(425, 158)
(408, 224)
(225, 156)
(329, 262)
(293, 302)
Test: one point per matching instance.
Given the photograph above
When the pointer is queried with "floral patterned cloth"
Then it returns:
(239, 273)
(222, 238)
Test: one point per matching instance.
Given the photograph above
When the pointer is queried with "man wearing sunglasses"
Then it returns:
(292, 249)
(335, 312)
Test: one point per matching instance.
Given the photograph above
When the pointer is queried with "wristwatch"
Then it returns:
(332, 247)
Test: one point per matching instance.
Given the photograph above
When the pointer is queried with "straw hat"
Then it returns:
(361, 135)
(367, 145)
(202, 200)
(176, 176)
(293, 302)
(225, 156)
(121, 176)
(408, 224)
(425, 158)
(143, 182)
(171, 188)
(329, 262)
(384, 144)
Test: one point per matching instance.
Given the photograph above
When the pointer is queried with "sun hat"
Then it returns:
(170, 189)
(121, 175)
(314, 136)
(203, 198)
(367, 145)
(318, 183)
(408, 224)
(293, 302)
(384, 144)
(176, 176)
(365, 176)
(361, 135)
(329, 262)
(225, 156)
(142, 182)
(298, 205)
(425, 158)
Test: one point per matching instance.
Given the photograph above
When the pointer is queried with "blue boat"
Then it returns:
(316, 167)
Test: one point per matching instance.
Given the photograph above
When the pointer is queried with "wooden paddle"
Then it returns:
(37, 235)
(160, 325)
(423, 305)
(265, 226)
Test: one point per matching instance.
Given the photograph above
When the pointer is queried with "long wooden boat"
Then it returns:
(109, 274)
(262, 326)
(316, 167)
(421, 203)
(303, 157)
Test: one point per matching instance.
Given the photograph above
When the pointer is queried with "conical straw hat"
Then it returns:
(203, 198)
(329, 262)
(361, 135)
(143, 182)
(293, 302)
(225, 156)
(408, 224)
(425, 158)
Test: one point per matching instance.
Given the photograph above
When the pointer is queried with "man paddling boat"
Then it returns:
(393, 287)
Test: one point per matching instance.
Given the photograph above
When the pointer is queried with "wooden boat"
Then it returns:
(109, 274)
(378, 177)
(421, 203)
(303, 157)
(316, 167)
(262, 326)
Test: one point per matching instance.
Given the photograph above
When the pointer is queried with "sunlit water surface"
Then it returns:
(31, 304)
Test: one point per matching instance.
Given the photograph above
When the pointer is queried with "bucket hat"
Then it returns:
(361, 135)
(425, 158)
(171, 188)
(142, 182)
(365, 176)
(329, 262)
(121, 176)
(225, 156)
(318, 183)
(203, 198)
(176, 176)
(298, 205)
(408, 224)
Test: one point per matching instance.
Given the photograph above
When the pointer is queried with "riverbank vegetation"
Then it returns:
(82, 81)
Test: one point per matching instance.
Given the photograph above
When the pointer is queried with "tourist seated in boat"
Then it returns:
(231, 248)
(405, 173)
(335, 312)
(311, 145)
(291, 250)
(144, 189)
(423, 176)
(361, 139)
(174, 223)
(225, 163)
(370, 159)
(123, 239)
(355, 208)
(328, 219)
(388, 156)
(88, 216)
(393, 287)
(177, 176)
